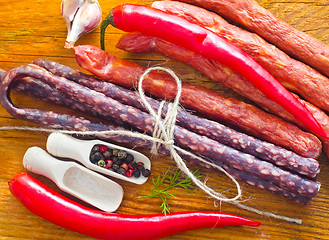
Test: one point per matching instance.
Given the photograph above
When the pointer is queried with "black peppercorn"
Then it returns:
(140, 168)
(129, 158)
(117, 161)
(107, 154)
(95, 157)
(95, 149)
(137, 174)
(146, 172)
(122, 171)
(115, 167)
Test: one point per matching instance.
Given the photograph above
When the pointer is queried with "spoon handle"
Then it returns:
(40, 162)
(62, 145)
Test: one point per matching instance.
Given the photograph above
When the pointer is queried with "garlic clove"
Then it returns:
(69, 9)
(81, 17)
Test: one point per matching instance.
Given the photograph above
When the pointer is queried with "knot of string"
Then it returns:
(164, 130)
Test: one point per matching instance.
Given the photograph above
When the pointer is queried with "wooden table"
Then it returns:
(32, 29)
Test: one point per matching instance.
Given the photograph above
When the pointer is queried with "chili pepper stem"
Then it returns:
(107, 21)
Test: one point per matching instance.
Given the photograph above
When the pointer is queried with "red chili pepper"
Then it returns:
(55, 208)
(174, 29)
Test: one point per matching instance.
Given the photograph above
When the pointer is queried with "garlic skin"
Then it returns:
(81, 17)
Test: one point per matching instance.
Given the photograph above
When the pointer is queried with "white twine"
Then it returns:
(164, 135)
(164, 129)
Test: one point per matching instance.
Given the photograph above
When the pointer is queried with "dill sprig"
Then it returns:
(172, 180)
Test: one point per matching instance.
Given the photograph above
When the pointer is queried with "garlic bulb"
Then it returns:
(81, 17)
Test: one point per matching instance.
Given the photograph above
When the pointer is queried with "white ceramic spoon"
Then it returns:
(65, 146)
(75, 179)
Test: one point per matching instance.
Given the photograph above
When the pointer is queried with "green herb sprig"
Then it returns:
(175, 180)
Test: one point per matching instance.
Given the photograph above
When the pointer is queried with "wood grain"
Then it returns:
(32, 29)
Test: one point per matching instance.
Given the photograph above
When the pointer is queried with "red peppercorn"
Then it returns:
(103, 148)
(129, 172)
(124, 166)
(108, 163)
(140, 164)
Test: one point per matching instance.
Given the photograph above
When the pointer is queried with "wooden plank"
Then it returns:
(32, 29)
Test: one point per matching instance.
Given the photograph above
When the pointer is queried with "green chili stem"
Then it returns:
(107, 21)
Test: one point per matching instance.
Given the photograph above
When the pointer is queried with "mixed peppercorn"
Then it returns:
(118, 161)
